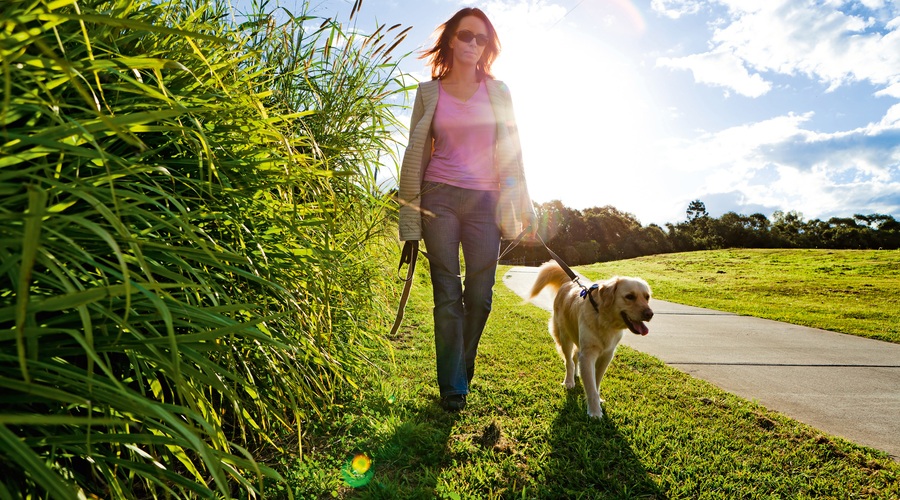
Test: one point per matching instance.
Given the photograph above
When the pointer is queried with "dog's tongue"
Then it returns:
(641, 328)
(636, 327)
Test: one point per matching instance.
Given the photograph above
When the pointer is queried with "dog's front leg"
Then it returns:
(587, 366)
(602, 364)
(570, 353)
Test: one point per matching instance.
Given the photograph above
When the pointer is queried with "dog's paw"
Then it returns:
(570, 384)
(595, 410)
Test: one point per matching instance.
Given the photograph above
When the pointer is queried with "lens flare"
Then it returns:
(361, 464)
(357, 472)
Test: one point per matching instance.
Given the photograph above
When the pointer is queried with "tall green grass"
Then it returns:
(187, 199)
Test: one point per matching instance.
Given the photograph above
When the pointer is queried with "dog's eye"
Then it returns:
(630, 296)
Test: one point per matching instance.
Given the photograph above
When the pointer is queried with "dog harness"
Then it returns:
(586, 292)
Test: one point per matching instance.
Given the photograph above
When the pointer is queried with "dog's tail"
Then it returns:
(549, 274)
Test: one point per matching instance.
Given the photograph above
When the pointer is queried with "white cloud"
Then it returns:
(511, 17)
(873, 4)
(676, 8)
(892, 117)
(892, 90)
(777, 164)
(787, 37)
(720, 68)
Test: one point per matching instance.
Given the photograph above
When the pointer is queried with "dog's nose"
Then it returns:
(648, 314)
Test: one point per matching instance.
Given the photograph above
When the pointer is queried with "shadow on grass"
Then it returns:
(409, 462)
(591, 459)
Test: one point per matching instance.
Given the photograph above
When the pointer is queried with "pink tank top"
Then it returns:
(464, 136)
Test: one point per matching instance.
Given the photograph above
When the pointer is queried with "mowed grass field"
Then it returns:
(523, 435)
(847, 291)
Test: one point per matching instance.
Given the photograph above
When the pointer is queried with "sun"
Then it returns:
(581, 105)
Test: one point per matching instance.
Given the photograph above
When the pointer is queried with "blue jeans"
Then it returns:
(452, 217)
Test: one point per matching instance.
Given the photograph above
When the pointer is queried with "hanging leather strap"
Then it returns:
(408, 256)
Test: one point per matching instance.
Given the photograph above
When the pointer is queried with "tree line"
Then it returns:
(601, 234)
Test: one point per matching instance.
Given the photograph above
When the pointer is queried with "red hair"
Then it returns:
(440, 56)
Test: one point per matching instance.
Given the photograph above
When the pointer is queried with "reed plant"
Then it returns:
(188, 202)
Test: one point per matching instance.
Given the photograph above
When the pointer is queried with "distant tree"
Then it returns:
(787, 228)
(878, 221)
(700, 228)
(844, 232)
(606, 233)
(560, 227)
(554, 219)
(889, 234)
(885, 230)
(758, 222)
(612, 229)
(648, 240)
(734, 230)
(741, 231)
(813, 234)
(585, 252)
(696, 210)
(679, 237)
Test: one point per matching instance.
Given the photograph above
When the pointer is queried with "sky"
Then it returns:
(750, 106)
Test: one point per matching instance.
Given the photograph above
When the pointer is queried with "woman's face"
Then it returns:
(469, 53)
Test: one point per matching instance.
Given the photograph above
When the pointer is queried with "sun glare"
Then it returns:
(583, 113)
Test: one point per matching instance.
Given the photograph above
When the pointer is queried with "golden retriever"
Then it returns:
(592, 333)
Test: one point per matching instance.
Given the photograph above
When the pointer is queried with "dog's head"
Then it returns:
(629, 300)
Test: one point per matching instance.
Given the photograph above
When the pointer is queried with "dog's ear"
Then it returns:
(608, 291)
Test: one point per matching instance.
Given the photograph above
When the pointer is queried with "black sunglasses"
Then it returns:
(466, 36)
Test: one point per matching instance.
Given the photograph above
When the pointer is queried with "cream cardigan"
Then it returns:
(515, 210)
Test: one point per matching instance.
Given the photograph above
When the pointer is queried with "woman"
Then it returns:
(462, 184)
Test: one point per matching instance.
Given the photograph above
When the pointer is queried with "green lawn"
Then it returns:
(848, 291)
(666, 435)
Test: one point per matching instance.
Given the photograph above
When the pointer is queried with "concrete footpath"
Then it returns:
(841, 384)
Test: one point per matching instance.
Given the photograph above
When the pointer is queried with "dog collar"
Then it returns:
(586, 292)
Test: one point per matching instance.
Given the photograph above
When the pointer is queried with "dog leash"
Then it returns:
(407, 256)
(585, 291)
(410, 253)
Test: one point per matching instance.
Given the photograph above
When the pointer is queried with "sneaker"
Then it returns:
(453, 403)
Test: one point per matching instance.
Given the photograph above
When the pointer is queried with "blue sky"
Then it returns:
(748, 105)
